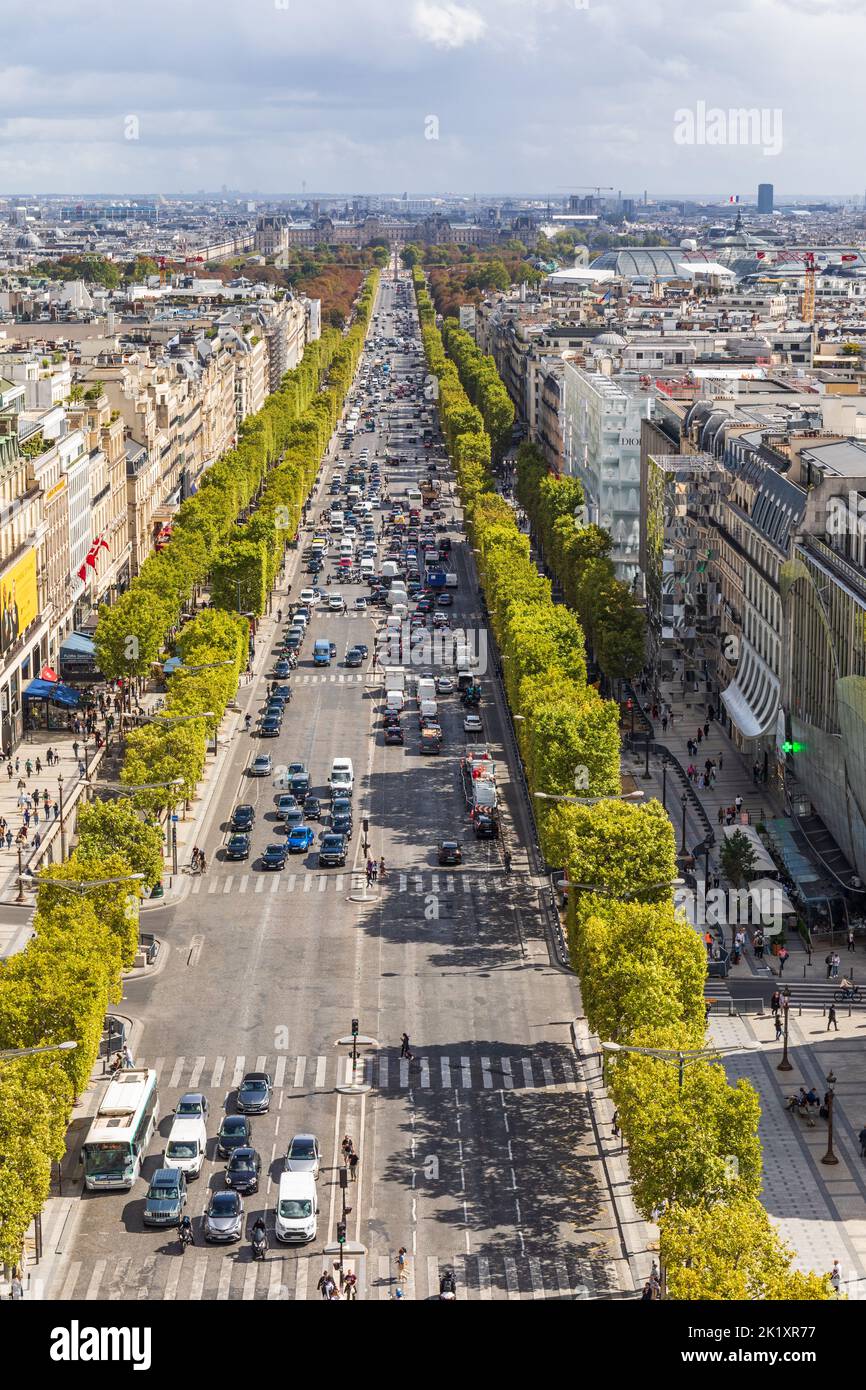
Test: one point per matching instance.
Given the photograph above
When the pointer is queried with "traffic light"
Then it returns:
(366, 824)
(341, 1233)
(355, 1028)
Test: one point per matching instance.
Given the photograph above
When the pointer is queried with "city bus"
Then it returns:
(120, 1131)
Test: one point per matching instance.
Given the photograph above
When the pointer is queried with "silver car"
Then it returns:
(224, 1217)
(192, 1105)
(302, 1155)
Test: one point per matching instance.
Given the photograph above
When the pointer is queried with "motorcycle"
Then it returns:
(259, 1243)
(186, 1238)
(447, 1288)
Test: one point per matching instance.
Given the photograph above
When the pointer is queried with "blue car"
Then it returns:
(300, 838)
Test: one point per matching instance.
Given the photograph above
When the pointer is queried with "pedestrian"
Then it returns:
(382, 869)
(615, 1126)
(126, 1058)
(708, 941)
(862, 1138)
(776, 1000)
(16, 1288)
(828, 961)
(758, 944)
(35, 817)
(324, 1284)
(700, 735)
(831, 1018)
(777, 1023)
(706, 729)
(45, 801)
(782, 957)
(402, 1265)
(56, 810)
(49, 756)
(38, 766)
(738, 804)
(10, 772)
(404, 1047)
(81, 767)
(354, 1160)
(850, 938)
(834, 965)
(26, 817)
(75, 748)
(28, 768)
(836, 1278)
(721, 815)
(664, 723)
(369, 872)
(8, 839)
(17, 764)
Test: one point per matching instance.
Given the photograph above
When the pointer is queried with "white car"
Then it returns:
(309, 595)
(360, 604)
(472, 724)
(335, 601)
(444, 685)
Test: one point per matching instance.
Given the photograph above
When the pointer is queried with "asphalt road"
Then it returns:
(479, 1154)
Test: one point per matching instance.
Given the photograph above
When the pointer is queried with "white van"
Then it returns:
(397, 597)
(394, 701)
(342, 779)
(368, 566)
(347, 550)
(451, 581)
(335, 521)
(390, 569)
(296, 1209)
(427, 709)
(186, 1145)
(426, 689)
(354, 492)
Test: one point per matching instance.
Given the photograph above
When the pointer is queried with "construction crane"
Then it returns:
(807, 299)
(595, 188)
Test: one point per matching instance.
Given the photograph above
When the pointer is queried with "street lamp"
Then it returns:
(13, 1053)
(785, 1065)
(83, 885)
(62, 820)
(665, 784)
(682, 1057)
(684, 801)
(588, 800)
(829, 1156)
(633, 893)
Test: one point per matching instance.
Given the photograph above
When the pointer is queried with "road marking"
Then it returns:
(260, 883)
(227, 886)
(300, 1068)
(242, 886)
(425, 1074)
(323, 883)
(482, 885)
(445, 1067)
(484, 1278)
(199, 1270)
(197, 1067)
(404, 1072)
(528, 1078)
(486, 1078)
(179, 1065)
(290, 883)
(276, 1288)
(159, 1066)
(250, 1277)
(511, 1279)
(302, 1268)
(563, 1280)
(237, 1074)
(196, 887)
(169, 1293)
(308, 882)
(321, 1065)
(570, 1074)
(275, 885)
(225, 1279)
(383, 1072)
(535, 1276)
(95, 1280)
(368, 1071)
(280, 1071)
(261, 1063)
(70, 1280)
(213, 885)
(467, 886)
(338, 882)
(219, 1065)
(507, 1080)
(432, 1274)
(548, 1071)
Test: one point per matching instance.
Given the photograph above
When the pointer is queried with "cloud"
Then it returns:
(447, 25)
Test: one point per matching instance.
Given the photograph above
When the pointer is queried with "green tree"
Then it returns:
(737, 857)
(104, 827)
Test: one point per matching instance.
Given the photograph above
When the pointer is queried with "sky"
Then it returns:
(431, 96)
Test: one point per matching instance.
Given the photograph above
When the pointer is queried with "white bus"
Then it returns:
(120, 1131)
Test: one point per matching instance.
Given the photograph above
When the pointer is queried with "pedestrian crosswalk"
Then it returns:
(219, 1275)
(324, 678)
(465, 883)
(385, 1072)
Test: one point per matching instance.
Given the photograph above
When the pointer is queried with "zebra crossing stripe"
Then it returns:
(302, 1272)
(225, 1280)
(467, 886)
(158, 1066)
(237, 1074)
(197, 1068)
(242, 886)
(227, 886)
(321, 1066)
(308, 882)
(563, 1280)
(213, 885)
(280, 1071)
(290, 883)
(484, 1278)
(445, 1066)
(275, 885)
(383, 1073)
(535, 1276)
(465, 1072)
(261, 1063)
(323, 883)
(486, 1078)
(276, 1288)
(507, 1080)
(528, 1078)
(250, 1277)
(198, 1277)
(196, 887)
(368, 1071)
(179, 1065)
(70, 1281)
(219, 1065)
(511, 1280)
(425, 1074)
(404, 1072)
(300, 1068)
(547, 1069)
(169, 1293)
(260, 883)
(145, 1275)
(338, 883)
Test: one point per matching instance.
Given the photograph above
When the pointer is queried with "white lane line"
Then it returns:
(548, 1072)
(321, 1065)
(507, 1080)
(486, 1078)
(179, 1065)
(300, 1068)
(218, 1067)
(511, 1279)
(280, 1071)
(70, 1280)
(95, 1280)
(197, 1068)
(237, 1074)
(528, 1078)
(465, 1072)
(445, 1067)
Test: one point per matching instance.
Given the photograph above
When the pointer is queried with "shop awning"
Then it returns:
(77, 644)
(55, 691)
(752, 700)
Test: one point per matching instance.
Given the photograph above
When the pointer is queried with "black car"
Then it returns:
(254, 1093)
(312, 808)
(234, 1133)
(341, 824)
(274, 857)
(281, 670)
(363, 649)
(450, 852)
(283, 693)
(486, 827)
(353, 657)
(238, 847)
(333, 850)
(243, 1169)
(270, 727)
(394, 735)
(243, 817)
(299, 783)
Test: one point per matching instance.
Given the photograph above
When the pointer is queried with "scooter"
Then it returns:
(259, 1245)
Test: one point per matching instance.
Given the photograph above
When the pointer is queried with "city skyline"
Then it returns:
(438, 95)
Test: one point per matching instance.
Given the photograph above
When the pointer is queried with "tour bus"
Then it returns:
(120, 1131)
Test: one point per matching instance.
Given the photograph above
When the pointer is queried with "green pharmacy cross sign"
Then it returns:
(788, 747)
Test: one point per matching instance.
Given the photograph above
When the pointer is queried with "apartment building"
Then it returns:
(103, 432)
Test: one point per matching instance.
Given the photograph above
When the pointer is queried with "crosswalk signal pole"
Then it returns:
(355, 1031)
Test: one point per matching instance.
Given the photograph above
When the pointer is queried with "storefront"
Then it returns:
(49, 705)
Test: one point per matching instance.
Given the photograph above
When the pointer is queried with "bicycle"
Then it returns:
(852, 995)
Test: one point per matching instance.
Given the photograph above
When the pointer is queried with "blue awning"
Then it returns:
(55, 691)
(77, 644)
